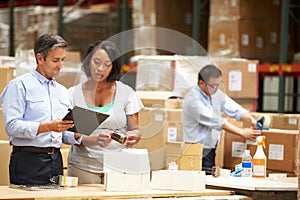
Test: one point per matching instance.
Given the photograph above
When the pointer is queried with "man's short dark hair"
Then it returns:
(208, 72)
(48, 42)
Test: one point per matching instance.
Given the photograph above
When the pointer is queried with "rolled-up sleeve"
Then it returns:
(68, 138)
(233, 109)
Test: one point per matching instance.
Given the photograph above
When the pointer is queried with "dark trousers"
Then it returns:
(208, 160)
(29, 168)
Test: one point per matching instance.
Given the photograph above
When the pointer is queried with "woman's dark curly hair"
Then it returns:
(113, 53)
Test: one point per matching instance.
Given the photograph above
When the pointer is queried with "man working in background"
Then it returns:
(202, 111)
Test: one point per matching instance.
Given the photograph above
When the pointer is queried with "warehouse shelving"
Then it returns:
(199, 8)
(283, 68)
(279, 70)
(122, 10)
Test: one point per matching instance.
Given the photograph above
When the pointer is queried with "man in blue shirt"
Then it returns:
(202, 111)
(33, 105)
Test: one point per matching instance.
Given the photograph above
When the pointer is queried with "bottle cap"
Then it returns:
(247, 151)
(261, 140)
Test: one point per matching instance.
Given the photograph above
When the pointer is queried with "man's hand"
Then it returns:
(251, 134)
(59, 125)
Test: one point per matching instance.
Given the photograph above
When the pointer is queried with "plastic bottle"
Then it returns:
(260, 159)
(247, 164)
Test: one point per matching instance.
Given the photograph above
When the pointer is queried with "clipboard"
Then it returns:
(85, 120)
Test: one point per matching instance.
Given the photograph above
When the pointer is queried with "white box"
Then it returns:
(178, 180)
(118, 181)
(127, 160)
(126, 170)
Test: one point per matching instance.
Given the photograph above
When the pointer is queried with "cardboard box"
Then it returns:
(176, 16)
(155, 75)
(155, 125)
(73, 57)
(6, 74)
(190, 162)
(245, 9)
(246, 38)
(182, 148)
(236, 73)
(178, 180)
(186, 155)
(65, 154)
(160, 99)
(277, 120)
(258, 115)
(5, 150)
(249, 104)
(70, 76)
(285, 121)
(240, 77)
(219, 159)
(158, 159)
(3, 135)
(281, 149)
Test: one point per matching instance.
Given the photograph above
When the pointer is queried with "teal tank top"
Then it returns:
(102, 109)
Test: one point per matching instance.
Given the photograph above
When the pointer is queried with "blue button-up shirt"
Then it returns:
(202, 116)
(30, 99)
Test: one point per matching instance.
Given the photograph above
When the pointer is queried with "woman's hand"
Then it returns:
(132, 137)
(103, 139)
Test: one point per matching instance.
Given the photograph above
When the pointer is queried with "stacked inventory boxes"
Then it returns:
(281, 144)
(6, 74)
(160, 122)
(245, 29)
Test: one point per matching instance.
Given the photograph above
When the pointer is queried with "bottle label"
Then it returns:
(246, 169)
(258, 170)
(246, 164)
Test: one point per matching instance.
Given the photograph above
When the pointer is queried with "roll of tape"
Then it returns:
(267, 121)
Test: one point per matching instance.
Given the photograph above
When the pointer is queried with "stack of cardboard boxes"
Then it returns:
(6, 74)
(243, 28)
(160, 122)
(177, 20)
(29, 23)
(160, 125)
(179, 74)
(281, 144)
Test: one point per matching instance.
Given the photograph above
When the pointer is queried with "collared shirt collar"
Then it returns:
(203, 94)
(42, 78)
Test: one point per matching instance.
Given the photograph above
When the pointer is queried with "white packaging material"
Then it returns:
(126, 170)
(178, 180)
(123, 182)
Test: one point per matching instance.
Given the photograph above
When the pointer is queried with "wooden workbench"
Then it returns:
(89, 192)
(255, 187)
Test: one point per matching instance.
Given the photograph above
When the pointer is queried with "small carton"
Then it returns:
(187, 156)
(178, 180)
(126, 170)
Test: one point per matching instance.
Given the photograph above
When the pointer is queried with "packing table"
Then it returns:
(256, 188)
(89, 192)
